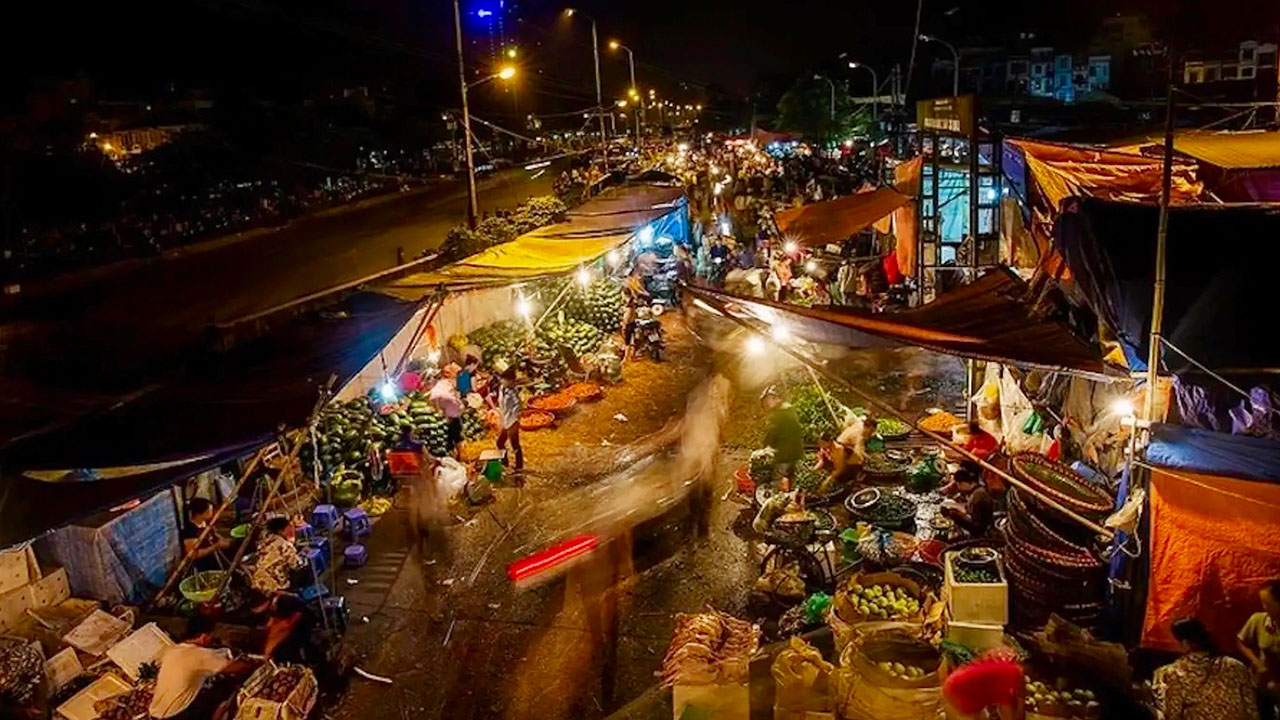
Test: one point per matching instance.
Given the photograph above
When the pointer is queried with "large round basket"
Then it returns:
(558, 403)
(875, 515)
(536, 419)
(1062, 484)
(202, 586)
(886, 467)
(584, 391)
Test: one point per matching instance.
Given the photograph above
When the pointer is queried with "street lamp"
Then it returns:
(833, 94)
(595, 54)
(506, 73)
(875, 90)
(631, 61)
(955, 75)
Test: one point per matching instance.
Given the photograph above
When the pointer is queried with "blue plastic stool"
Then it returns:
(314, 591)
(358, 523)
(355, 555)
(317, 557)
(303, 532)
(324, 518)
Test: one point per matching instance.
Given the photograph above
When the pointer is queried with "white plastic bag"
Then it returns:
(451, 477)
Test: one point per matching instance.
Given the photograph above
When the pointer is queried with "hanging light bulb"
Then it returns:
(755, 346)
(790, 247)
(614, 258)
(388, 391)
(583, 276)
(523, 308)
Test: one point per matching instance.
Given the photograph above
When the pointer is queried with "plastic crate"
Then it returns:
(985, 603)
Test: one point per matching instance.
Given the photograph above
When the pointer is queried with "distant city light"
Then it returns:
(484, 13)
(507, 72)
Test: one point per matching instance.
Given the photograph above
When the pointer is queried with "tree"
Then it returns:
(806, 108)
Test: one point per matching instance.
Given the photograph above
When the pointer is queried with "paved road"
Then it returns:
(164, 303)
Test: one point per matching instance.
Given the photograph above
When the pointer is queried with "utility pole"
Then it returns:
(595, 52)
(1162, 241)
(472, 203)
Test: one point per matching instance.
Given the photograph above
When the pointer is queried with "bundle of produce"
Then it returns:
(974, 573)
(134, 704)
(585, 391)
(504, 340)
(1060, 699)
(474, 426)
(760, 466)
(599, 304)
(886, 466)
(805, 616)
(580, 337)
(280, 692)
(889, 673)
(708, 649)
(1062, 484)
(877, 596)
(814, 409)
(802, 679)
(558, 403)
(891, 428)
(536, 419)
(880, 507)
(939, 422)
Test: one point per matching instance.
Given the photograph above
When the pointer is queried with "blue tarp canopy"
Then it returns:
(1214, 453)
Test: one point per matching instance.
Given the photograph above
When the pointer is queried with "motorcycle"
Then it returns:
(648, 336)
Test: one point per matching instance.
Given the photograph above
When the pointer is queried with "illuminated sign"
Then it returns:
(952, 115)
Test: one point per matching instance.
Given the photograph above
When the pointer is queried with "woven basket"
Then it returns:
(1062, 484)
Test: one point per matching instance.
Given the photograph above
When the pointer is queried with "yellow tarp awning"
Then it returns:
(1248, 150)
(591, 230)
(833, 221)
(1063, 171)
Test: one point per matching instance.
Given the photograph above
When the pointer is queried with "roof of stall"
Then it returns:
(833, 221)
(1248, 150)
(985, 320)
(589, 231)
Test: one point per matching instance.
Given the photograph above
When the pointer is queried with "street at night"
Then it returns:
(628, 361)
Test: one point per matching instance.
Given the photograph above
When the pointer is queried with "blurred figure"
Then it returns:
(784, 433)
(993, 680)
(429, 508)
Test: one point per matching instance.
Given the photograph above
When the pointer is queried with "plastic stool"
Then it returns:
(357, 523)
(317, 557)
(312, 592)
(355, 555)
(324, 518)
(303, 532)
(335, 607)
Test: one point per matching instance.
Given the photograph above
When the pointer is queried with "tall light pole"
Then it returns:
(506, 73)
(595, 55)
(833, 94)
(955, 75)
(631, 60)
(875, 91)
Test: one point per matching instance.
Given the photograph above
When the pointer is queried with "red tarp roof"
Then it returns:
(834, 220)
(984, 320)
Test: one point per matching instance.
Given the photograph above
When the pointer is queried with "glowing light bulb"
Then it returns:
(584, 277)
(755, 346)
(781, 333)
(388, 391)
(810, 266)
(790, 247)
(523, 307)
(614, 258)
(1123, 407)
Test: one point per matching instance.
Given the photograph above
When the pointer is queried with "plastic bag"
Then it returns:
(451, 476)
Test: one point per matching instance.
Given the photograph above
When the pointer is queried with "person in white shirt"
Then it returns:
(181, 690)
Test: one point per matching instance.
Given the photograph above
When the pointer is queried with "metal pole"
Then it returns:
(1162, 237)
(875, 99)
(473, 208)
(631, 60)
(955, 74)
(595, 53)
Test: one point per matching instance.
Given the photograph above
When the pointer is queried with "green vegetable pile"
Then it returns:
(966, 574)
(891, 427)
(884, 464)
(760, 466)
(599, 304)
(807, 478)
(889, 509)
(815, 416)
(883, 601)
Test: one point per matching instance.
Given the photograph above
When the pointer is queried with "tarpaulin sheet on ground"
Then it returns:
(591, 230)
(122, 558)
(1213, 545)
(1218, 278)
(984, 320)
(833, 221)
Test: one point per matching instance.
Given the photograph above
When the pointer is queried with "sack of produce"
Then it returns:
(802, 680)
(889, 674)
(868, 602)
(278, 692)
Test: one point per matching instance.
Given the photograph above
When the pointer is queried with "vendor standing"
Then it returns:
(784, 434)
(1259, 643)
(509, 406)
(444, 395)
(978, 515)
(204, 553)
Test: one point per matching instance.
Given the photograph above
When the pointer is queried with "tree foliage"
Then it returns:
(806, 108)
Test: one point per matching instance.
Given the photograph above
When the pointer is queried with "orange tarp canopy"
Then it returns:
(835, 220)
(1248, 150)
(1063, 171)
(1213, 544)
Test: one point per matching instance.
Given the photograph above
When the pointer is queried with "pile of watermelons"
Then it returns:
(599, 304)
(581, 337)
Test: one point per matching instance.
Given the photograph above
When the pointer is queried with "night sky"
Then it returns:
(282, 46)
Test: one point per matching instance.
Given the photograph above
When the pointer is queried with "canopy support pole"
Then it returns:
(1106, 534)
(1162, 241)
(188, 558)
